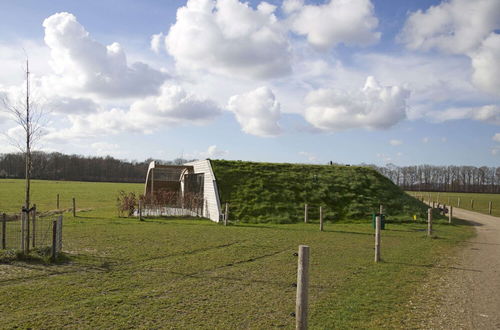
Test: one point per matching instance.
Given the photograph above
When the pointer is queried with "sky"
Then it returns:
(349, 81)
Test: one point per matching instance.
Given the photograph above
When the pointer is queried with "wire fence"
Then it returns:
(27, 230)
(193, 208)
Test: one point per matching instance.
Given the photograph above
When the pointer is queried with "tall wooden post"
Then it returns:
(306, 216)
(27, 233)
(301, 303)
(140, 210)
(472, 204)
(450, 214)
(378, 223)
(226, 214)
(59, 233)
(429, 222)
(321, 218)
(4, 230)
(33, 220)
(458, 202)
(74, 207)
(57, 202)
(54, 240)
(489, 207)
(22, 232)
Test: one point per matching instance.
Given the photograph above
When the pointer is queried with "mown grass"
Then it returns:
(172, 273)
(270, 192)
(89, 196)
(481, 201)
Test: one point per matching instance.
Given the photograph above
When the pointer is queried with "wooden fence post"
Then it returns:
(57, 203)
(59, 233)
(74, 207)
(489, 207)
(472, 204)
(226, 214)
(301, 303)
(27, 224)
(54, 240)
(4, 229)
(306, 216)
(321, 218)
(34, 225)
(140, 210)
(450, 214)
(22, 231)
(378, 223)
(429, 222)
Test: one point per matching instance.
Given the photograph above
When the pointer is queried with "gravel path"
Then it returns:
(470, 290)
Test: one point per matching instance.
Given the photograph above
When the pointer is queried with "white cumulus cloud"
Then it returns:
(212, 152)
(373, 107)
(456, 26)
(173, 106)
(496, 137)
(229, 37)
(488, 113)
(156, 42)
(257, 111)
(338, 21)
(486, 64)
(84, 65)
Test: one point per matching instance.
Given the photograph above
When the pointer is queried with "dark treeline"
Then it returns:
(444, 178)
(57, 166)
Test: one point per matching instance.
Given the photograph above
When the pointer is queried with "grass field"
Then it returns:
(178, 273)
(481, 201)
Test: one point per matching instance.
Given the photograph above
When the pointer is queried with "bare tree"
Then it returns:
(28, 115)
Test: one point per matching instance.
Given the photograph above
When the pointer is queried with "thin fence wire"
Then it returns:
(40, 232)
(169, 211)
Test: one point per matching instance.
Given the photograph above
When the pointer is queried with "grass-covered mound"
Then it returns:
(269, 192)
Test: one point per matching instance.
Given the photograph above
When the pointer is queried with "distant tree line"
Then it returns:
(57, 166)
(444, 178)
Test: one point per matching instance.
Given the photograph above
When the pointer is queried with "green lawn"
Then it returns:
(481, 201)
(174, 273)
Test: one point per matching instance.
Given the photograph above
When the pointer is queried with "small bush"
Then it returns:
(126, 203)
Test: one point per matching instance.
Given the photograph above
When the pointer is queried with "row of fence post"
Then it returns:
(73, 204)
(306, 215)
(472, 202)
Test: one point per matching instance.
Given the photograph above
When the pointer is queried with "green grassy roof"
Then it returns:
(270, 192)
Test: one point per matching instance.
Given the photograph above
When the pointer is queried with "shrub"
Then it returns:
(126, 203)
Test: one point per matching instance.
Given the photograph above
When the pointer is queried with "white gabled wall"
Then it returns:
(212, 208)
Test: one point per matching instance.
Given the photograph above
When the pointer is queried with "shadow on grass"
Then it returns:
(462, 222)
(432, 266)
(483, 243)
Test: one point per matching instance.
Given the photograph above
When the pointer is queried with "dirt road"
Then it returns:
(471, 288)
